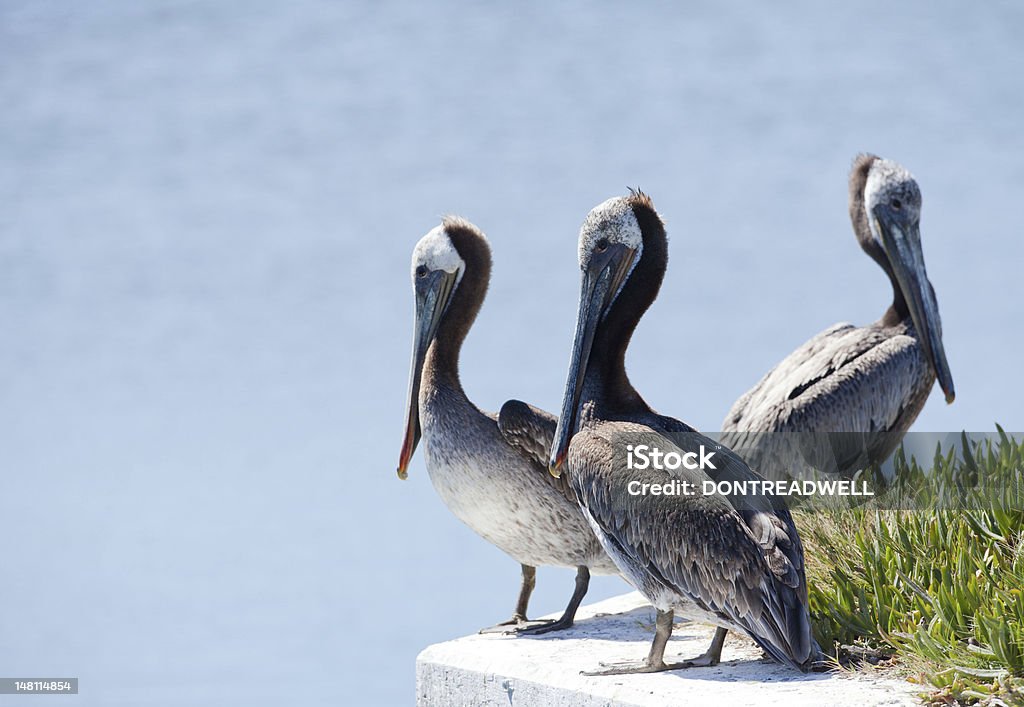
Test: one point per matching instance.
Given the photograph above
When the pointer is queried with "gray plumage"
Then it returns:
(484, 466)
(531, 431)
(735, 561)
(845, 399)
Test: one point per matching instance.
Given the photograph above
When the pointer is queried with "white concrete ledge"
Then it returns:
(501, 670)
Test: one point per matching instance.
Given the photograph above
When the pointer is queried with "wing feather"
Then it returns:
(737, 558)
(838, 403)
(531, 432)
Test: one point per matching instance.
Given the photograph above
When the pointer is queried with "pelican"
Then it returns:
(734, 561)
(491, 471)
(843, 401)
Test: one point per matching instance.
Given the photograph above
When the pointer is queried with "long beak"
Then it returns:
(599, 286)
(904, 248)
(432, 295)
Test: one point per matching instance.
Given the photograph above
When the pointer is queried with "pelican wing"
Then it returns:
(814, 361)
(531, 431)
(739, 558)
(842, 400)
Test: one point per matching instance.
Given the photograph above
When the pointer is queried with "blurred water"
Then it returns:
(206, 215)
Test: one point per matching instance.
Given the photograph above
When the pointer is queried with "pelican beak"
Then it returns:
(600, 283)
(902, 241)
(433, 292)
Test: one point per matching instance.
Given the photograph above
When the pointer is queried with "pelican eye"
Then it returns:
(602, 245)
(896, 204)
(421, 271)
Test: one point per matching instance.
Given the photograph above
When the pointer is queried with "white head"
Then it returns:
(435, 251)
(612, 221)
(891, 188)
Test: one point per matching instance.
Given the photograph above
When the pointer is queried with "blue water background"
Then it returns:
(206, 217)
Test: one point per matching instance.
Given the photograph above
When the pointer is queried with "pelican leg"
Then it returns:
(519, 619)
(569, 615)
(655, 662)
(713, 655)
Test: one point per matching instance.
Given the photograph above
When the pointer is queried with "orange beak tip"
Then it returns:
(403, 473)
(950, 397)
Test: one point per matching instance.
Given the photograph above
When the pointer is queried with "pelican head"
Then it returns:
(891, 203)
(437, 271)
(611, 244)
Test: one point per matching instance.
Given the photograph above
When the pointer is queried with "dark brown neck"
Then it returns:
(442, 361)
(897, 311)
(606, 373)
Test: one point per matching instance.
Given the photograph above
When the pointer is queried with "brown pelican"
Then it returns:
(844, 400)
(491, 471)
(735, 561)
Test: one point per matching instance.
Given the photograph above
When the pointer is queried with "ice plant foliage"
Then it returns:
(942, 590)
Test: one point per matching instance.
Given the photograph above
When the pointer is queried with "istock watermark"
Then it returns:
(644, 457)
(929, 471)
